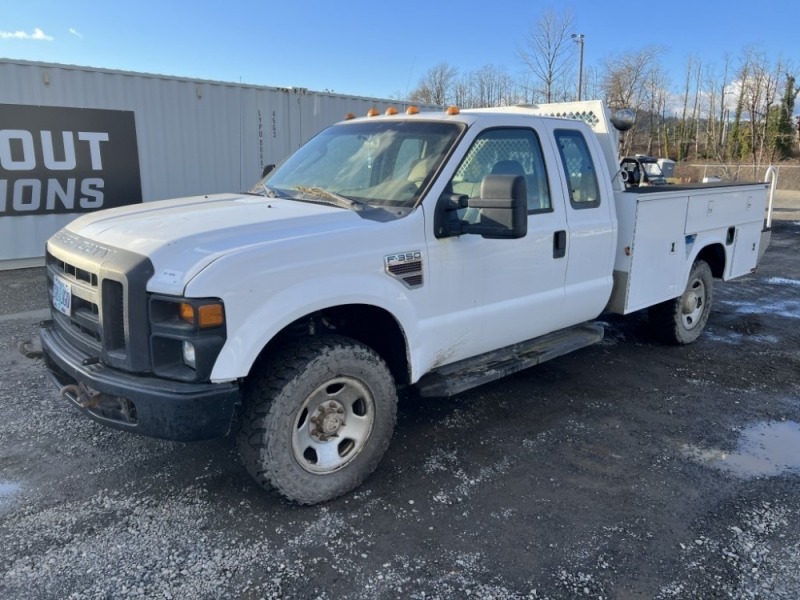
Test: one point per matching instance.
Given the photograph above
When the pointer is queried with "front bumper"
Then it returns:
(149, 406)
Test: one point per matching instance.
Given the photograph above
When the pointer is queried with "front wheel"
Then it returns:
(682, 320)
(318, 418)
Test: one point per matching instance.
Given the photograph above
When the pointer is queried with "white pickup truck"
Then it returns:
(435, 250)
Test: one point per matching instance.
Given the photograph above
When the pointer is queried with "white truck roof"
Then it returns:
(592, 112)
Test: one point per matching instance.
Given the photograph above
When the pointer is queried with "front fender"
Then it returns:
(265, 318)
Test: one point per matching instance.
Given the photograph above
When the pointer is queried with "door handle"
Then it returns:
(559, 244)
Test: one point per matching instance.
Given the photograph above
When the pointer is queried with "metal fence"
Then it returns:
(788, 175)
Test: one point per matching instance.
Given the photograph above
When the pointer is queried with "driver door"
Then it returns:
(492, 293)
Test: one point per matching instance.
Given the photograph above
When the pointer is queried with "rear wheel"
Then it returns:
(682, 320)
(317, 418)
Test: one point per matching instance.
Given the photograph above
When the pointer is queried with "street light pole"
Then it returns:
(578, 39)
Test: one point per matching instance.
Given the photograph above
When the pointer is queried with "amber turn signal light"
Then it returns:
(205, 316)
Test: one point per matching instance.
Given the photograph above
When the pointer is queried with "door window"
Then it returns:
(505, 152)
(579, 170)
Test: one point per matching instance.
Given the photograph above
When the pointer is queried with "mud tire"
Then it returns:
(682, 320)
(284, 392)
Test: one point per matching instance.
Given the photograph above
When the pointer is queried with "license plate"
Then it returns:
(62, 296)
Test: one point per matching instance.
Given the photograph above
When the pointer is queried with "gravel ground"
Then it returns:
(626, 470)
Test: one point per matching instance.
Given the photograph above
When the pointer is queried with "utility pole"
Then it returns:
(578, 39)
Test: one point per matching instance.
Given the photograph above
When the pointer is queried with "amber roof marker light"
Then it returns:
(452, 111)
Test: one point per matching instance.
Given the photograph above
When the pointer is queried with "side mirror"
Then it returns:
(503, 207)
(267, 170)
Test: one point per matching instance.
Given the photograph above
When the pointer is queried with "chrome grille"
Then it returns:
(82, 325)
(96, 321)
(108, 318)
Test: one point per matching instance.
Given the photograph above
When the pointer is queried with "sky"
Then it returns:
(374, 48)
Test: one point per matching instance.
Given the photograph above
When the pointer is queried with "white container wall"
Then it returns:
(191, 137)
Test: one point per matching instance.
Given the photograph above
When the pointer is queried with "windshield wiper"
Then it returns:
(261, 189)
(336, 199)
(268, 191)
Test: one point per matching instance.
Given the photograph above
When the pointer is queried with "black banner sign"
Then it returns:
(66, 160)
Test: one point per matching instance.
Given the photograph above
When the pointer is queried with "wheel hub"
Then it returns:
(327, 421)
(333, 425)
(690, 303)
(693, 304)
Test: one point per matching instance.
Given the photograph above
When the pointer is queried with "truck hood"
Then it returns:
(183, 236)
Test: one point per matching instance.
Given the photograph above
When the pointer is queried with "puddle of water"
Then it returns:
(734, 338)
(783, 281)
(764, 449)
(789, 309)
(8, 489)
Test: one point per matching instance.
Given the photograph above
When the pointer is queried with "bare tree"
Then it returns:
(694, 130)
(592, 83)
(626, 76)
(759, 88)
(692, 65)
(656, 97)
(626, 83)
(723, 107)
(436, 86)
(494, 87)
(548, 51)
(463, 93)
(716, 110)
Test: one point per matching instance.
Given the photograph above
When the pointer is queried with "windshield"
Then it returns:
(380, 163)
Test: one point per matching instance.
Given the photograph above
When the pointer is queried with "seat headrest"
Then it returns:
(507, 167)
(420, 170)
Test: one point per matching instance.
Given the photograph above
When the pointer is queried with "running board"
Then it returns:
(477, 370)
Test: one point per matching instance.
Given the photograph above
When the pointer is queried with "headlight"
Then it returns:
(186, 336)
(188, 354)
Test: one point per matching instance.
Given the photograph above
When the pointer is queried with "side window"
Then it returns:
(584, 191)
(505, 152)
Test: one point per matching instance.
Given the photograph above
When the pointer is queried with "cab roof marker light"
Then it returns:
(349, 116)
(452, 110)
(390, 111)
(412, 110)
(372, 112)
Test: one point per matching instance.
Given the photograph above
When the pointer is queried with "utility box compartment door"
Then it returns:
(658, 252)
(725, 206)
(745, 249)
